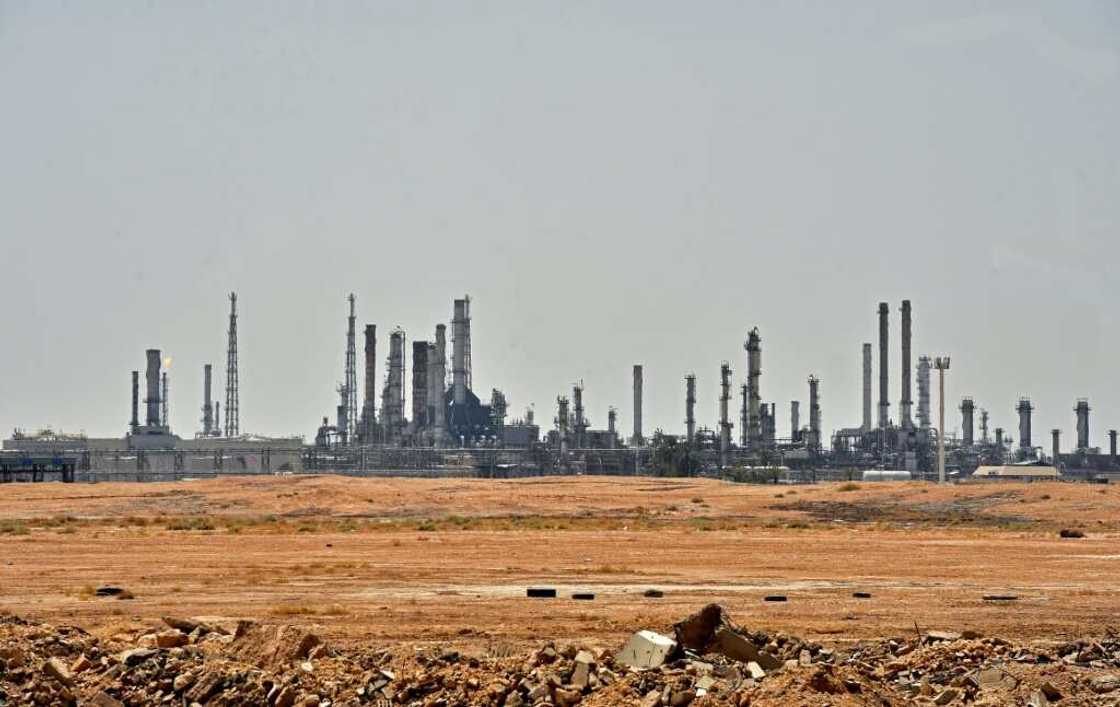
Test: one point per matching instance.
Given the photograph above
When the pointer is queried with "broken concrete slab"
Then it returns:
(646, 650)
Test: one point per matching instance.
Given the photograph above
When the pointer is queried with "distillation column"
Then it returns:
(439, 386)
(814, 412)
(419, 422)
(754, 394)
(884, 370)
(459, 344)
(580, 424)
(612, 433)
(1112, 445)
(690, 408)
(924, 366)
(369, 399)
(794, 421)
(724, 419)
(562, 426)
(906, 404)
(135, 421)
(207, 401)
(1057, 448)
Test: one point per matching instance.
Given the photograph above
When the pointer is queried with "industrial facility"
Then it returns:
(420, 418)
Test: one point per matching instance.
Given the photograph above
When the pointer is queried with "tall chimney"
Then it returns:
(163, 401)
(984, 426)
(369, 399)
(1024, 409)
(135, 421)
(1082, 411)
(217, 419)
(867, 387)
(999, 438)
(724, 413)
(794, 421)
(207, 401)
(440, 384)
(637, 440)
(884, 370)
(1057, 450)
(151, 376)
(743, 415)
(906, 403)
(754, 394)
(460, 334)
(690, 407)
(1112, 444)
(419, 386)
(612, 434)
(967, 409)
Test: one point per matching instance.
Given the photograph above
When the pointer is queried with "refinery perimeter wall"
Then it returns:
(395, 559)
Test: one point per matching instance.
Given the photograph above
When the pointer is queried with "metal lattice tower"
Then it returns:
(233, 406)
(350, 387)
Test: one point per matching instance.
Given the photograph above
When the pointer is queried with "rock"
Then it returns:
(1038, 700)
(652, 699)
(1101, 684)
(755, 670)
(734, 645)
(285, 698)
(938, 636)
(13, 656)
(56, 669)
(1071, 533)
(171, 639)
(80, 664)
(1050, 691)
(680, 698)
(513, 699)
(646, 650)
(581, 676)
(108, 591)
(208, 684)
(104, 699)
(309, 701)
(182, 681)
(136, 656)
(566, 698)
(947, 695)
(185, 625)
(824, 681)
(653, 594)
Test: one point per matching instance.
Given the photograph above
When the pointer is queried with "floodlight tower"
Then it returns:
(942, 365)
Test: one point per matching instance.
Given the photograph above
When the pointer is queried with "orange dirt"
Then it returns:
(449, 559)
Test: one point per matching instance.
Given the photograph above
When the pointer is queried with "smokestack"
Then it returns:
(815, 411)
(151, 376)
(690, 407)
(135, 421)
(999, 438)
(440, 385)
(923, 392)
(743, 416)
(1024, 409)
(392, 402)
(724, 419)
(905, 405)
(967, 408)
(217, 419)
(795, 421)
(983, 426)
(867, 387)
(1082, 411)
(207, 401)
(754, 394)
(1112, 444)
(1057, 450)
(459, 352)
(884, 370)
(637, 440)
(419, 386)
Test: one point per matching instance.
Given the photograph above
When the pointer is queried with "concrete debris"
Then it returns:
(646, 650)
(262, 664)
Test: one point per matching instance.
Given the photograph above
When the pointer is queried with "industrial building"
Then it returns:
(424, 416)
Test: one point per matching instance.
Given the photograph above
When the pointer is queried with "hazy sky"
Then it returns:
(611, 183)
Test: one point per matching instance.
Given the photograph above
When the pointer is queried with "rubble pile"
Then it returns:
(703, 660)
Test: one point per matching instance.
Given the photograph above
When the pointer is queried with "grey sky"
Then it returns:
(611, 182)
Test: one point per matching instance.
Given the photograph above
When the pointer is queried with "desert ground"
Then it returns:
(448, 561)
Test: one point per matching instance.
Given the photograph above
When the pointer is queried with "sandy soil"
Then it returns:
(449, 560)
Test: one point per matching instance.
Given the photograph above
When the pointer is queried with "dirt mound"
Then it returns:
(709, 662)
